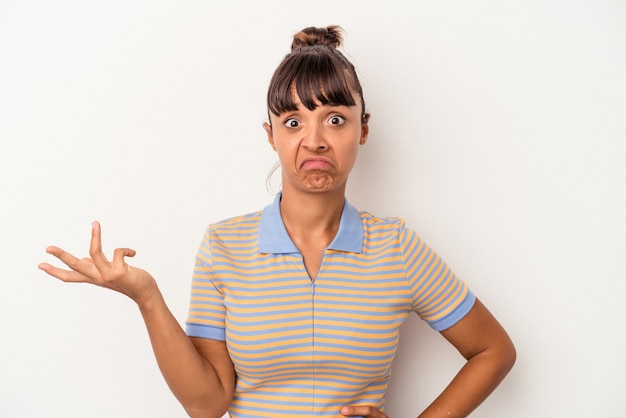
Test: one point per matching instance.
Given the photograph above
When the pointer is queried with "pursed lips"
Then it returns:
(316, 163)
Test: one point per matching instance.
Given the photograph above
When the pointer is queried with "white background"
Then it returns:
(498, 131)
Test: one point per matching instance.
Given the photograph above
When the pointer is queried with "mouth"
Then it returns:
(316, 163)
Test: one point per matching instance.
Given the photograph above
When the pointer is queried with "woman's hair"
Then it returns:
(317, 71)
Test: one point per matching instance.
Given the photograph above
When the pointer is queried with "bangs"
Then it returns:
(315, 78)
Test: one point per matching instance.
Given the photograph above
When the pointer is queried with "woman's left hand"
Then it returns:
(362, 411)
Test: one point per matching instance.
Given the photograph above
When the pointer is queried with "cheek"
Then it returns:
(285, 150)
(350, 153)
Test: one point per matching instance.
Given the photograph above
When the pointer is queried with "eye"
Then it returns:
(292, 123)
(336, 120)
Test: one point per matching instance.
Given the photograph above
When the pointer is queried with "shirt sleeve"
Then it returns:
(439, 297)
(206, 307)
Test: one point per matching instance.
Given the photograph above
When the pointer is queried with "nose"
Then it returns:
(314, 139)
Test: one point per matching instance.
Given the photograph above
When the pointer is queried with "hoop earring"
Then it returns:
(268, 179)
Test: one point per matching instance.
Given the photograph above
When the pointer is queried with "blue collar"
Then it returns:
(273, 237)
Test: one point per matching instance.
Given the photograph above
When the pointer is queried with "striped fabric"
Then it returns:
(302, 347)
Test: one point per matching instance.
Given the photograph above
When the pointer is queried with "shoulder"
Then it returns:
(233, 228)
(383, 231)
(390, 229)
(242, 221)
(370, 221)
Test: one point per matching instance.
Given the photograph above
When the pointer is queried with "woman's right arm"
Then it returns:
(198, 371)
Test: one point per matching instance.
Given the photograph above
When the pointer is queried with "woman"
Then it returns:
(295, 310)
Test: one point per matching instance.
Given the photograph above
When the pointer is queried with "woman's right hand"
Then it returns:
(135, 283)
(199, 371)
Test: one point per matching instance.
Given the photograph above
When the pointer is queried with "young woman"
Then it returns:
(295, 310)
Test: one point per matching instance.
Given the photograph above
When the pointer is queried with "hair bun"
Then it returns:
(329, 36)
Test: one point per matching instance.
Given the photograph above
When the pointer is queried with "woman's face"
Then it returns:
(317, 148)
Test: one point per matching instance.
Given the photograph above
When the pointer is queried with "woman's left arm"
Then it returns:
(490, 354)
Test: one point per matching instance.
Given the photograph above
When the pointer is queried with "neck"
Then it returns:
(312, 214)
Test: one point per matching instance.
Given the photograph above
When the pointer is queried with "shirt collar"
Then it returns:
(273, 236)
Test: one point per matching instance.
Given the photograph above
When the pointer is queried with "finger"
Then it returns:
(119, 265)
(362, 411)
(84, 266)
(95, 248)
(120, 253)
(64, 275)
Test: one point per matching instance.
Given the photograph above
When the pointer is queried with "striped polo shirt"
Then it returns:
(303, 347)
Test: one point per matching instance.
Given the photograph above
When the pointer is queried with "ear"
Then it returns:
(365, 129)
(270, 134)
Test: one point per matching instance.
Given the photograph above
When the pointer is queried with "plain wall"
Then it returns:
(498, 132)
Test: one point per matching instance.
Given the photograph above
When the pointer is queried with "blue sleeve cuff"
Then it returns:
(206, 331)
(456, 315)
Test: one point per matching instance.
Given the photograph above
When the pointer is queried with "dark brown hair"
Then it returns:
(317, 71)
